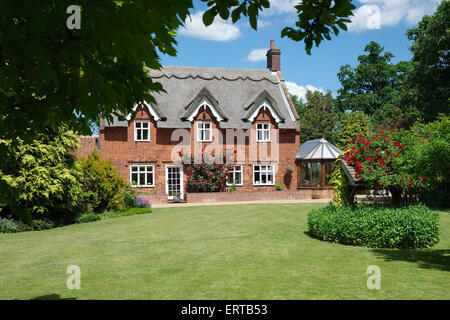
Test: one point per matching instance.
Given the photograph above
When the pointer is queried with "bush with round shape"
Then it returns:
(377, 226)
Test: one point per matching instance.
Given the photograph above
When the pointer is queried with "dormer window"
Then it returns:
(141, 131)
(204, 132)
(263, 132)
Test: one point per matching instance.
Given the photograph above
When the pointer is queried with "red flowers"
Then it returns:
(410, 182)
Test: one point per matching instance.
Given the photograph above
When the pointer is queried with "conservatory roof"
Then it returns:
(318, 149)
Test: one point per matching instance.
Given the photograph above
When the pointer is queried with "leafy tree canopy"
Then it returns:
(376, 86)
(299, 105)
(50, 74)
(431, 58)
(353, 125)
(319, 118)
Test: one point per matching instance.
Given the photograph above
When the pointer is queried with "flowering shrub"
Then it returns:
(143, 203)
(378, 163)
(8, 226)
(206, 175)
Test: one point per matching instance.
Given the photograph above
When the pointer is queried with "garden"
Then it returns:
(45, 186)
(411, 166)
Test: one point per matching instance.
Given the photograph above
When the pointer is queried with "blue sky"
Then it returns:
(238, 46)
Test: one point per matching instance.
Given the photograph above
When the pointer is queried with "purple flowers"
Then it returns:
(143, 203)
(8, 226)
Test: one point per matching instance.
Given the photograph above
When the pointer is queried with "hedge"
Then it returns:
(377, 226)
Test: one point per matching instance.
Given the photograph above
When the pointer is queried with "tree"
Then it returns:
(51, 74)
(431, 58)
(319, 118)
(376, 86)
(40, 178)
(299, 105)
(428, 156)
(353, 125)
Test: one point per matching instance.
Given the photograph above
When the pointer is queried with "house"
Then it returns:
(244, 113)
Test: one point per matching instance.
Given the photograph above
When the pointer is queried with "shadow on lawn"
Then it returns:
(52, 297)
(426, 259)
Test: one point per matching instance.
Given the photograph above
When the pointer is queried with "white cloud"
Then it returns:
(256, 55)
(300, 91)
(281, 7)
(375, 14)
(219, 30)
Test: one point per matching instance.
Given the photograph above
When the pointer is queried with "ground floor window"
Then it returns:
(263, 175)
(235, 176)
(311, 176)
(142, 176)
(316, 174)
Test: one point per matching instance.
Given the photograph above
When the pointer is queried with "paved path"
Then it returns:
(226, 203)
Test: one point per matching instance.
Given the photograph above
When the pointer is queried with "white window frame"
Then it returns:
(266, 171)
(233, 175)
(202, 130)
(146, 171)
(142, 130)
(263, 131)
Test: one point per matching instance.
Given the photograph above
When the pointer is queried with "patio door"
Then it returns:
(174, 180)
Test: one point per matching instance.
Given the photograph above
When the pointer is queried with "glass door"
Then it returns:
(174, 181)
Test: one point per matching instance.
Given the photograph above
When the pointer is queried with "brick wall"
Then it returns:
(118, 145)
(210, 197)
(87, 145)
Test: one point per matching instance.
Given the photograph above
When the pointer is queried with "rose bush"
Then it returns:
(379, 164)
(206, 173)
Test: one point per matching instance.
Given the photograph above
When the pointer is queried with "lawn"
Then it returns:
(220, 252)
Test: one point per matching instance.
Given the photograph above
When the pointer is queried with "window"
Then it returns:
(311, 174)
(263, 175)
(142, 131)
(235, 176)
(142, 176)
(204, 131)
(263, 132)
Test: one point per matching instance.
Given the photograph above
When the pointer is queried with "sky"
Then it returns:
(228, 45)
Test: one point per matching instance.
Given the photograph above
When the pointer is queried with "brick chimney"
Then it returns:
(273, 58)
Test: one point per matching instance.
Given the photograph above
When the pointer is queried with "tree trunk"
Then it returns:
(396, 196)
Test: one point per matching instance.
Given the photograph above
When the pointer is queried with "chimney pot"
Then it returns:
(272, 44)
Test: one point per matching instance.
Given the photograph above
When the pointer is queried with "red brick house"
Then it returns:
(247, 112)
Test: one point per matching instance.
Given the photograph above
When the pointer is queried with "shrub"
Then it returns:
(8, 226)
(377, 226)
(342, 192)
(205, 174)
(103, 186)
(279, 186)
(233, 188)
(88, 217)
(125, 213)
(40, 177)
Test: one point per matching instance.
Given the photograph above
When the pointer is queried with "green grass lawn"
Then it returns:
(220, 252)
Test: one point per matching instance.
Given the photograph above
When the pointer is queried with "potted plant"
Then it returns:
(279, 186)
(177, 197)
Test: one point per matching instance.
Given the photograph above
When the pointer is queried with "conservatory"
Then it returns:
(315, 162)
